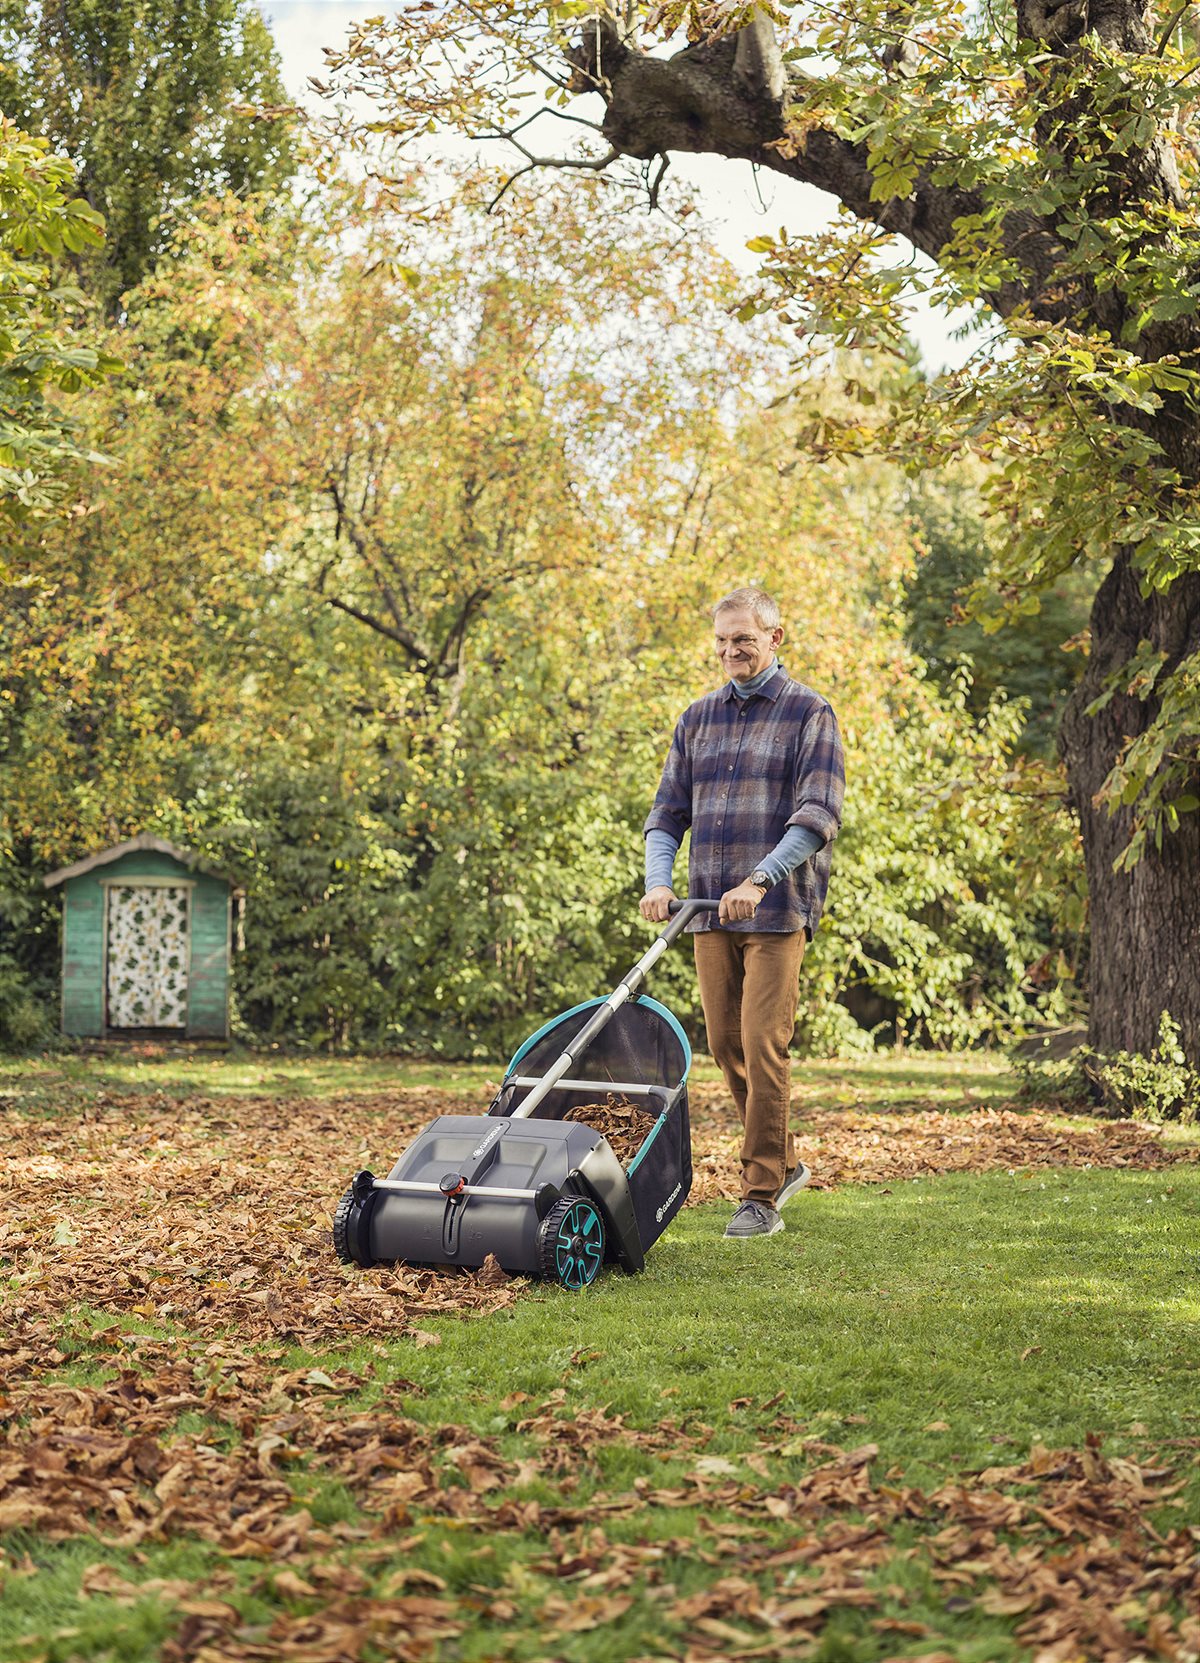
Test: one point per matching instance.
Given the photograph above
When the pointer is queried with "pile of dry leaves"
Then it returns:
(625, 1125)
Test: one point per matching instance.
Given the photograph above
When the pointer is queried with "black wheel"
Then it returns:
(571, 1243)
(345, 1229)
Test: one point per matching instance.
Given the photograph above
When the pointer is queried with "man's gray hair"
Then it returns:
(765, 610)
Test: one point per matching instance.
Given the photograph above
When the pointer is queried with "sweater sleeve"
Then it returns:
(792, 850)
(661, 849)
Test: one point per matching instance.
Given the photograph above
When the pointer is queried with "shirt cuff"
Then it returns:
(818, 819)
(668, 820)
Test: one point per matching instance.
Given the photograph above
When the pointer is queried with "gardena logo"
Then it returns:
(659, 1214)
(488, 1141)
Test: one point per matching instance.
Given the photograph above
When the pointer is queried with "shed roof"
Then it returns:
(144, 840)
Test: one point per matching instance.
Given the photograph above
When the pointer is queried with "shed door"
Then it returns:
(147, 956)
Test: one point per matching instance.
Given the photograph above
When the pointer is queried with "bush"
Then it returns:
(25, 1019)
(1123, 1084)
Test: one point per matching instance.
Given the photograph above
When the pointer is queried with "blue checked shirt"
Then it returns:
(738, 774)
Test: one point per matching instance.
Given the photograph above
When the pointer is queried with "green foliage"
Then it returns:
(43, 352)
(29, 956)
(430, 582)
(320, 881)
(1159, 1087)
(24, 1018)
(1036, 662)
(954, 874)
(154, 105)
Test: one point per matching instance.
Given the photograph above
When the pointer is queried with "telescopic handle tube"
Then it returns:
(682, 914)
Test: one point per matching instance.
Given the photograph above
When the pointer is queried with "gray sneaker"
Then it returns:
(753, 1218)
(794, 1180)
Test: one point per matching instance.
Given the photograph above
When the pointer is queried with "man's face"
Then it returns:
(743, 646)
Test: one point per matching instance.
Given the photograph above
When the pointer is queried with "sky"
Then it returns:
(737, 204)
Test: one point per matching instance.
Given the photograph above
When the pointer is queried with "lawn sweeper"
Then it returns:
(583, 1158)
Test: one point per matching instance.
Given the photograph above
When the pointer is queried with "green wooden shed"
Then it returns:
(146, 940)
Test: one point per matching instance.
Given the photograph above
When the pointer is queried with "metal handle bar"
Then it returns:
(691, 907)
(684, 912)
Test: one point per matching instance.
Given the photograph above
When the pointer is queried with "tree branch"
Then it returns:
(695, 102)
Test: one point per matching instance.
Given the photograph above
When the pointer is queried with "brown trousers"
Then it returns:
(750, 987)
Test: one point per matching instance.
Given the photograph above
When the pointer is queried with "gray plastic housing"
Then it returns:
(496, 1152)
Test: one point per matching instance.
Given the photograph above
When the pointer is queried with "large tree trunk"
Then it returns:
(1145, 924)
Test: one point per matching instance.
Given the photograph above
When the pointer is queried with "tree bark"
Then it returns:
(1144, 924)
(716, 98)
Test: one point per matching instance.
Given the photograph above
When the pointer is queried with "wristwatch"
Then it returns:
(763, 879)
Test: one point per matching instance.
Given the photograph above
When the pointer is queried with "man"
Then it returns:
(755, 772)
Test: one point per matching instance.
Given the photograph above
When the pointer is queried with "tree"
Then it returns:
(245, 633)
(155, 105)
(1044, 160)
(1039, 662)
(44, 351)
(47, 353)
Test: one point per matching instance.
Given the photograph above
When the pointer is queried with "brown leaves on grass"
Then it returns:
(105, 1460)
(793, 1532)
(855, 1146)
(1066, 1546)
(215, 1215)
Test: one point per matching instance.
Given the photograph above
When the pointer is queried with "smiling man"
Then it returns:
(755, 772)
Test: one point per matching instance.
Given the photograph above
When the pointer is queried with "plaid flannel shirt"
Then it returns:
(739, 772)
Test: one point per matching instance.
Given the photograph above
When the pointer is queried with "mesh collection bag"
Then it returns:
(642, 1045)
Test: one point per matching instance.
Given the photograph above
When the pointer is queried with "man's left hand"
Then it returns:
(740, 903)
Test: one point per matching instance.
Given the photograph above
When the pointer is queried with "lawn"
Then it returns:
(948, 1414)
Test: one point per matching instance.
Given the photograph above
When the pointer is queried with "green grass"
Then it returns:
(1029, 1308)
(891, 1080)
(182, 1069)
(1012, 1308)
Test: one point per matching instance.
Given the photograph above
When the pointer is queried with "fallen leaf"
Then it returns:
(492, 1274)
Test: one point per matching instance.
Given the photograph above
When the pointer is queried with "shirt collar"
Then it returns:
(770, 689)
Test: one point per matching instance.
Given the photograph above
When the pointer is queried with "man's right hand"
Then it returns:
(655, 902)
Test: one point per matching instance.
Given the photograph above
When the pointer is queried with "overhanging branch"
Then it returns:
(704, 100)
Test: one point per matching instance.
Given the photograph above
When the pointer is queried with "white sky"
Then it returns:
(736, 204)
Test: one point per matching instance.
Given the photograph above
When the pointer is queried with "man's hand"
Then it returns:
(740, 903)
(655, 902)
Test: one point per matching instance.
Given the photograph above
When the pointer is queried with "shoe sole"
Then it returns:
(754, 1235)
(797, 1184)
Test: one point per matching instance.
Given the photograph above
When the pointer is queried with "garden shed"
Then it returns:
(146, 939)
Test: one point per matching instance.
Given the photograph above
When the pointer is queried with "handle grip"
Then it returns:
(682, 913)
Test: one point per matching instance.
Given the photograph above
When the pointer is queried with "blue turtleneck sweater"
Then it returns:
(792, 850)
